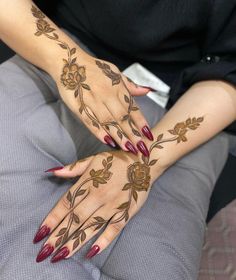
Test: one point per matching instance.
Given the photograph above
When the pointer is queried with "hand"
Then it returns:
(112, 189)
(97, 92)
(101, 97)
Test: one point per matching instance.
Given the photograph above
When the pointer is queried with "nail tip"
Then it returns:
(54, 169)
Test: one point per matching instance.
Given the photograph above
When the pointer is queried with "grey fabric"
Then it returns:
(162, 241)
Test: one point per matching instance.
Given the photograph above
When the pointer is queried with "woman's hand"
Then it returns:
(101, 97)
(96, 92)
(112, 189)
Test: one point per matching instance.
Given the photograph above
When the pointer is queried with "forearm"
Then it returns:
(211, 105)
(18, 27)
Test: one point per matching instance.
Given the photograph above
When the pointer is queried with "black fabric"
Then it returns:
(181, 41)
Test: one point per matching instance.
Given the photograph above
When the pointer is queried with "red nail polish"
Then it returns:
(45, 252)
(54, 169)
(131, 147)
(93, 251)
(143, 148)
(41, 233)
(60, 255)
(109, 141)
(150, 89)
(147, 132)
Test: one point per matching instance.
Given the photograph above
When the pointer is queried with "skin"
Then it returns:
(216, 109)
(213, 102)
(92, 95)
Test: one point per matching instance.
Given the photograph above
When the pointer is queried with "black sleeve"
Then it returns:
(218, 53)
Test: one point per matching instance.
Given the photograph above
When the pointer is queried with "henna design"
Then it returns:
(73, 75)
(97, 177)
(106, 69)
(138, 175)
(116, 78)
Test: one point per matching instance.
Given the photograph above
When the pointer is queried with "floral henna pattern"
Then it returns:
(97, 177)
(73, 75)
(138, 175)
(116, 79)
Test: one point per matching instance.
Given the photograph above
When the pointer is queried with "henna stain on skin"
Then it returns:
(73, 75)
(97, 177)
(138, 180)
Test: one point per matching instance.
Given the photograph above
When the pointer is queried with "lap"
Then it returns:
(162, 241)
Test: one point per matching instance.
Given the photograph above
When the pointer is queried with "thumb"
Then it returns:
(74, 169)
(135, 89)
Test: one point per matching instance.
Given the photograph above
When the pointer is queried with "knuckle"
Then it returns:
(55, 217)
(107, 119)
(64, 203)
(116, 228)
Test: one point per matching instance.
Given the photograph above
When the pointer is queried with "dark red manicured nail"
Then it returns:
(93, 251)
(150, 89)
(147, 132)
(41, 233)
(131, 147)
(55, 168)
(109, 141)
(45, 252)
(60, 255)
(143, 148)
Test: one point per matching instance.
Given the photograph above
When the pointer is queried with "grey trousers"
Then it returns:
(161, 242)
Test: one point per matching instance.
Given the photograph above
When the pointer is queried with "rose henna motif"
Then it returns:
(138, 175)
(73, 75)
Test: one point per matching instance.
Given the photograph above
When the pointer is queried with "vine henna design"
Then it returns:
(73, 76)
(101, 176)
(138, 175)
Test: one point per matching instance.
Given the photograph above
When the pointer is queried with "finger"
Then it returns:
(135, 89)
(74, 169)
(73, 221)
(123, 118)
(67, 202)
(91, 121)
(82, 235)
(138, 120)
(110, 124)
(112, 230)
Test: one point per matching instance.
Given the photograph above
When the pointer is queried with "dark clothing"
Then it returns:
(181, 41)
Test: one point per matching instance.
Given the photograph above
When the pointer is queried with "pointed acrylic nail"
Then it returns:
(41, 233)
(93, 251)
(110, 141)
(131, 147)
(143, 148)
(54, 169)
(147, 132)
(150, 89)
(60, 255)
(45, 252)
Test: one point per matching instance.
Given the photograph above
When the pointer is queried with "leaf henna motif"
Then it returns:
(73, 75)
(138, 173)
(97, 177)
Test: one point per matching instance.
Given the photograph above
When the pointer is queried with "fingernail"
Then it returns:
(44, 252)
(147, 132)
(60, 255)
(131, 147)
(93, 251)
(54, 169)
(143, 148)
(109, 141)
(150, 89)
(41, 233)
